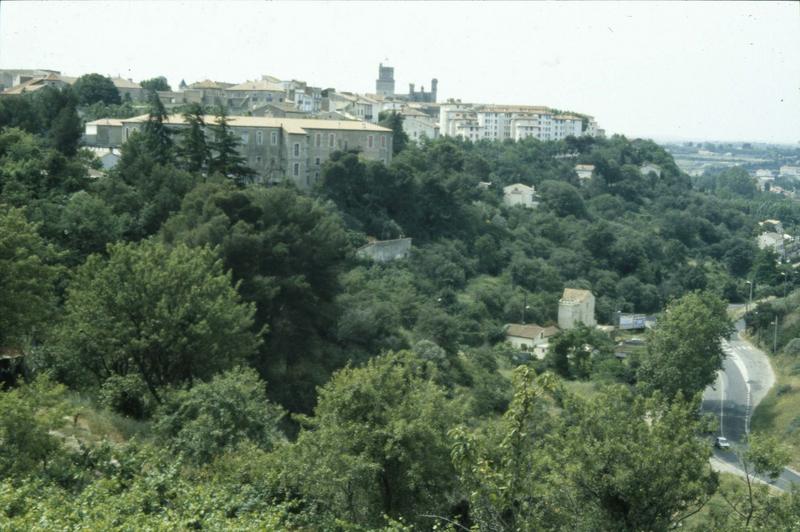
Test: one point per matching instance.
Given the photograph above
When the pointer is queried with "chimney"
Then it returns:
(410, 88)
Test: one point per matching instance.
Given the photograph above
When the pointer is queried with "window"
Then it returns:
(297, 149)
(331, 140)
(260, 137)
(258, 160)
(383, 140)
(369, 141)
(245, 138)
(274, 138)
(317, 161)
(319, 140)
(296, 169)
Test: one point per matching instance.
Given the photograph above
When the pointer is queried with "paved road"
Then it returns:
(744, 381)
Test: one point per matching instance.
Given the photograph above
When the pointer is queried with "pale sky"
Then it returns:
(708, 70)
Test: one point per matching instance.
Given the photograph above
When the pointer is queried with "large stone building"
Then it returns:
(574, 307)
(500, 122)
(384, 88)
(277, 149)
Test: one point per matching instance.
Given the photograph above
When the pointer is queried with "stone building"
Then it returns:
(519, 194)
(531, 338)
(277, 149)
(574, 307)
(384, 88)
(385, 250)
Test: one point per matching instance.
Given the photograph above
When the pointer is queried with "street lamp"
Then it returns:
(750, 301)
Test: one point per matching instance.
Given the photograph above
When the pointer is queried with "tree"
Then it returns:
(27, 275)
(167, 314)
(93, 88)
(194, 151)
(632, 463)
(28, 415)
(749, 504)
(157, 137)
(617, 461)
(225, 158)
(394, 121)
(563, 199)
(572, 352)
(87, 225)
(211, 417)
(287, 250)
(684, 350)
(155, 84)
(377, 444)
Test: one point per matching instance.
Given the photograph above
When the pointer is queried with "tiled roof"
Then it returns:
(292, 125)
(574, 294)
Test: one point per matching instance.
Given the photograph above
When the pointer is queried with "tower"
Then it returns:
(434, 88)
(384, 85)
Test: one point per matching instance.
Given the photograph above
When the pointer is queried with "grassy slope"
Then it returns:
(779, 413)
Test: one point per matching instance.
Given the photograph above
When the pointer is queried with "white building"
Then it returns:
(649, 168)
(574, 307)
(763, 173)
(500, 122)
(584, 171)
(519, 194)
(531, 338)
(417, 125)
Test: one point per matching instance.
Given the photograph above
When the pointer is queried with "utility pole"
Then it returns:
(524, 306)
(775, 338)
(784, 284)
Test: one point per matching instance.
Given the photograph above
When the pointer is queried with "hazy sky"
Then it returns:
(712, 70)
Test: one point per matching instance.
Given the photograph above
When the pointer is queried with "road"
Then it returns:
(744, 381)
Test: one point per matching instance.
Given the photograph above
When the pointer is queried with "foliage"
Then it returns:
(168, 315)
(93, 88)
(377, 443)
(157, 137)
(684, 349)
(202, 422)
(28, 415)
(155, 84)
(27, 276)
(616, 462)
(193, 151)
(287, 251)
(394, 121)
(225, 157)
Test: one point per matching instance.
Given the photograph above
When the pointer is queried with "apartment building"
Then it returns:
(277, 149)
(500, 122)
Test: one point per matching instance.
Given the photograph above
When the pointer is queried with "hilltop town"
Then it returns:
(289, 128)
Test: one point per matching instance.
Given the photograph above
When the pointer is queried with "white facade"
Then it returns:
(499, 122)
(420, 126)
(519, 194)
(650, 168)
(584, 171)
(790, 171)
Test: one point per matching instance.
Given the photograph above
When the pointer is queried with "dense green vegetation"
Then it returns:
(274, 380)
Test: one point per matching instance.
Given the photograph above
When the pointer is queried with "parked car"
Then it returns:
(721, 442)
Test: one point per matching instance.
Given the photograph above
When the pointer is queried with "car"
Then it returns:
(720, 442)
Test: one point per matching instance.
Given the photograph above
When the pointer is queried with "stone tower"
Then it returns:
(384, 85)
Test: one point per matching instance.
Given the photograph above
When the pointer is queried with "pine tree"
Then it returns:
(226, 159)
(157, 137)
(194, 151)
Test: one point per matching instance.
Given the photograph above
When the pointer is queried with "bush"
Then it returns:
(204, 421)
(127, 395)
